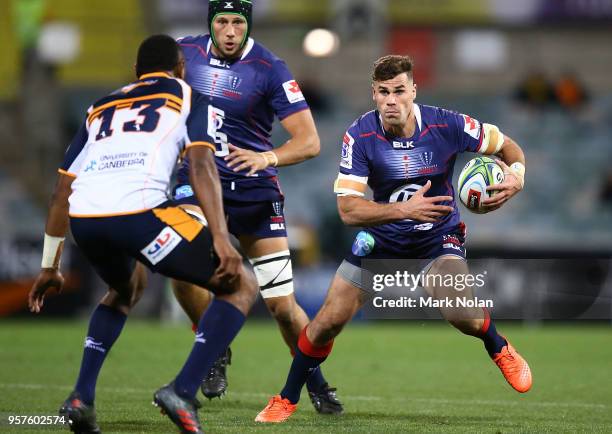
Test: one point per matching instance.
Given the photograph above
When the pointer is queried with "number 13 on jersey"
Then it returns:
(216, 117)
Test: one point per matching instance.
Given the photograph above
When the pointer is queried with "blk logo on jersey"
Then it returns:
(219, 63)
(162, 245)
(403, 145)
(293, 91)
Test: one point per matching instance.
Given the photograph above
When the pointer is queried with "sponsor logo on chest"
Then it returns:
(219, 63)
(403, 145)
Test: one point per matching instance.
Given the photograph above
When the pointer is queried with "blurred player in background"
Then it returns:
(247, 86)
(112, 190)
(406, 152)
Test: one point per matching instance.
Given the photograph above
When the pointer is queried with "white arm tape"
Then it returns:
(350, 185)
(492, 141)
(52, 251)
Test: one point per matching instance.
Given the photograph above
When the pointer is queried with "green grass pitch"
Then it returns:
(392, 377)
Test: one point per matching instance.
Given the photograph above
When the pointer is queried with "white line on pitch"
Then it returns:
(348, 397)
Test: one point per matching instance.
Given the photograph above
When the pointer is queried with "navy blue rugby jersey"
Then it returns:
(396, 167)
(244, 96)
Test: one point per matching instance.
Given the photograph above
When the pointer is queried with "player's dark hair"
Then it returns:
(157, 53)
(388, 67)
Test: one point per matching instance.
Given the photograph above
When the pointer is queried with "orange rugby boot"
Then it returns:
(278, 410)
(514, 368)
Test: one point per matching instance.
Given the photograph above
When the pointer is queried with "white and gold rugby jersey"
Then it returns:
(124, 153)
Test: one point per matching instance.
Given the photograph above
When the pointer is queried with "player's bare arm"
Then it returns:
(357, 211)
(304, 144)
(512, 161)
(207, 188)
(55, 231)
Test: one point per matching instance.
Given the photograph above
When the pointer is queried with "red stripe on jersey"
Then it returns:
(269, 65)
(200, 49)
(371, 133)
(426, 130)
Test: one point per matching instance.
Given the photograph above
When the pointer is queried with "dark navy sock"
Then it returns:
(493, 342)
(105, 327)
(217, 328)
(301, 369)
(315, 380)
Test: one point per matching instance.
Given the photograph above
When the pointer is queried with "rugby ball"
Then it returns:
(478, 174)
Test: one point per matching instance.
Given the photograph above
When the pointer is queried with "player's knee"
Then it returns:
(274, 275)
(470, 327)
(248, 284)
(242, 292)
(119, 298)
(183, 290)
(282, 309)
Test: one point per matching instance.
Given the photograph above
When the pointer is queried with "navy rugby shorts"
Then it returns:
(166, 239)
(428, 248)
(263, 219)
(422, 253)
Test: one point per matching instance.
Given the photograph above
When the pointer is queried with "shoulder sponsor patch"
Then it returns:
(162, 245)
(471, 127)
(347, 151)
(293, 91)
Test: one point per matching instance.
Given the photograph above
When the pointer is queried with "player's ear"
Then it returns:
(373, 92)
(414, 90)
(179, 70)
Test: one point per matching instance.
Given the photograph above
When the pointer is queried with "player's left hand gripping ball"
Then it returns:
(513, 183)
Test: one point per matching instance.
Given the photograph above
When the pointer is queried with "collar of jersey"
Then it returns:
(154, 74)
(247, 48)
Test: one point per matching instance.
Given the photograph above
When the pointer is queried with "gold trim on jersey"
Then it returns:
(65, 172)
(125, 103)
(115, 214)
(180, 221)
(154, 74)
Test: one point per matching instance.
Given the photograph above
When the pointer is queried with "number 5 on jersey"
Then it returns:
(216, 117)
